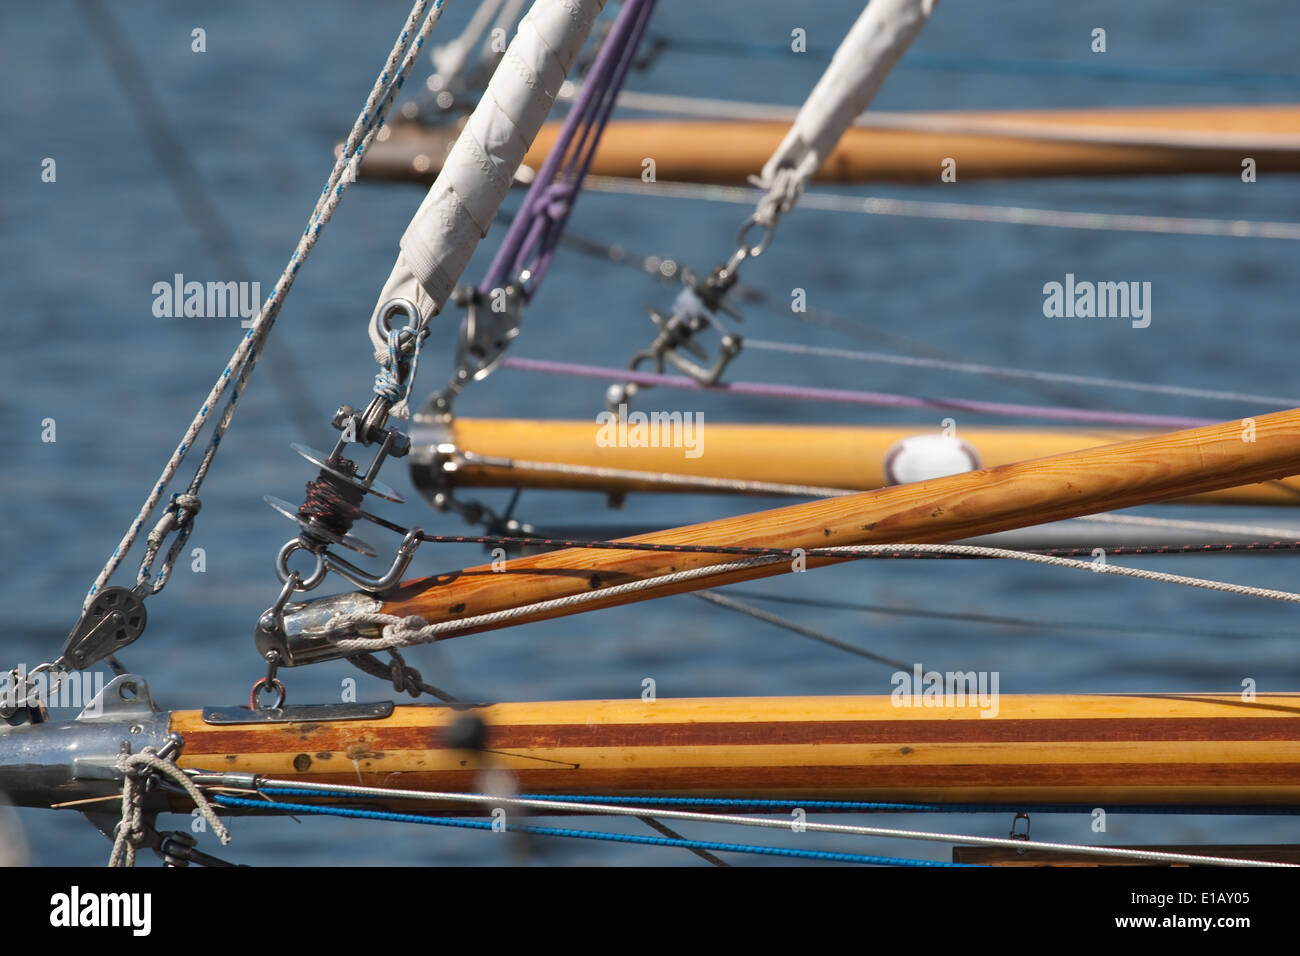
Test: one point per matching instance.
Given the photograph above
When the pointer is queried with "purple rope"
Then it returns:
(537, 228)
(851, 397)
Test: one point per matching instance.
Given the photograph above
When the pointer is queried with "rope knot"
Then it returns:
(406, 627)
(133, 831)
(187, 506)
(391, 381)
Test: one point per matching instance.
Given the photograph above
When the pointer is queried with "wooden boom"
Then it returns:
(1096, 751)
(910, 147)
(1136, 472)
(851, 458)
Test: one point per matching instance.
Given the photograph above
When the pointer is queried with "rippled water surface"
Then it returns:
(259, 113)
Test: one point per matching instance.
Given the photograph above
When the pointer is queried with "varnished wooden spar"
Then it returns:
(1096, 751)
(1137, 472)
(851, 458)
(1000, 856)
(909, 147)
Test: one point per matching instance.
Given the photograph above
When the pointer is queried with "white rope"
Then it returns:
(481, 166)
(403, 631)
(582, 807)
(398, 631)
(1097, 567)
(243, 360)
(871, 48)
(969, 212)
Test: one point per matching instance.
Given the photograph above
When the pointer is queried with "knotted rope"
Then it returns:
(132, 831)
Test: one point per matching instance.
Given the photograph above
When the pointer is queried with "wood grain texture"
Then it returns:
(1001, 856)
(1091, 750)
(986, 144)
(822, 455)
(1099, 479)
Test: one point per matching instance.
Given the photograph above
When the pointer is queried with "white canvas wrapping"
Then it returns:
(878, 39)
(463, 200)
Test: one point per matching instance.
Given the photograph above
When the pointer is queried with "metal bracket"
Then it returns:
(486, 332)
(124, 698)
(47, 763)
(297, 714)
(693, 311)
(303, 633)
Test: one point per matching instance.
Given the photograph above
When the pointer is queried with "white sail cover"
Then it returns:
(463, 200)
(881, 35)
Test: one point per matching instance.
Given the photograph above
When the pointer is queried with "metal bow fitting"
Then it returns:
(333, 500)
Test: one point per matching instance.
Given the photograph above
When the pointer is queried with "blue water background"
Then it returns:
(260, 111)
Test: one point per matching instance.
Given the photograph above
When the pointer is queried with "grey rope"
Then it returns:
(244, 359)
(131, 831)
(406, 679)
(971, 212)
(403, 631)
(398, 631)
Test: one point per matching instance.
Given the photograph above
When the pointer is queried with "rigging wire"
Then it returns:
(969, 212)
(605, 836)
(397, 631)
(297, 788)
(906, 551)
(857, 397)
(723, 600)
(1001, 620)
(665, 269)
(962, 63)
(994, 371)
(406, 49)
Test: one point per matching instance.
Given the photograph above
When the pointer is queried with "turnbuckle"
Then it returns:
(332, 504)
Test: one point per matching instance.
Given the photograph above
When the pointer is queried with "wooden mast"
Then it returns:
(905, 147)
(1096, 751)
(847, 457)
(1137, 472)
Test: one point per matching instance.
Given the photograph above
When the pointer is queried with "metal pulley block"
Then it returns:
(114, 618)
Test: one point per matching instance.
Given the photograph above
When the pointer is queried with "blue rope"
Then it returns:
(387, 383)
(388, 816)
